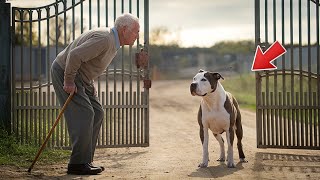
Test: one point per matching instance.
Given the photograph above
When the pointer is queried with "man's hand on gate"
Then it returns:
(70, 87)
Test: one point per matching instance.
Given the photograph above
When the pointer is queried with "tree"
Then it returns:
(234, 47)
(162, 36)
(57, 33)
(24, 30)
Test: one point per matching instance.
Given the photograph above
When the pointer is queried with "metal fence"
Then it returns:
(39, 34)
(288, 99)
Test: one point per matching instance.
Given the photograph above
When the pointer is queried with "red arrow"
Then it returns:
(262, 61)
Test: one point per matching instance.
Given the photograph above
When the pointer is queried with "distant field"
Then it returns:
(243, 88)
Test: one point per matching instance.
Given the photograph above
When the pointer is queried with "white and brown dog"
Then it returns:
(219, 112)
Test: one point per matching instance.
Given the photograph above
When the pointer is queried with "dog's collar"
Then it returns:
(207, 93)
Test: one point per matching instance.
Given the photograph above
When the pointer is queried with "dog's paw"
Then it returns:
(243, 160)
(231, 165)
(221, 159)
(203, 165)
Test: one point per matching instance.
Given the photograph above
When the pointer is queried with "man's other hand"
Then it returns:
(70, 87)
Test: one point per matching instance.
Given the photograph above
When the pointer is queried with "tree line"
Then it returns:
(60, 30)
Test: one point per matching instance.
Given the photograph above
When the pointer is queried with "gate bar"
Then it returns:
(258, 79)
(318, 65)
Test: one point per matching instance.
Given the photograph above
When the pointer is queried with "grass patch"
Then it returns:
(243, 87)
(13, 153)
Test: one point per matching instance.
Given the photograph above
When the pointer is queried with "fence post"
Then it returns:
(5, 65)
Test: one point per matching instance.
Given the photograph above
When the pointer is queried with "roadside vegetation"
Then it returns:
(14, 154)
(243, 88)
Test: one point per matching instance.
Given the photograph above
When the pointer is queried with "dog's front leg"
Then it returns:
(221, 143)
(205, 153)
(230, 137)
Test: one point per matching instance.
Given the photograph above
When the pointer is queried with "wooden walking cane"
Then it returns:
(49, 134)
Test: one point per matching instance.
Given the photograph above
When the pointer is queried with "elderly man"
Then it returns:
(73, 71)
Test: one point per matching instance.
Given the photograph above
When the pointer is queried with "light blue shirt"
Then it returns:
(116, 37)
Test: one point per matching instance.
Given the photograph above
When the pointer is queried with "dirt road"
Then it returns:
(175, 149)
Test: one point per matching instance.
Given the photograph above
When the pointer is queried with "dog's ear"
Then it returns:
(200, 71)
(217, 75)
(213, 78)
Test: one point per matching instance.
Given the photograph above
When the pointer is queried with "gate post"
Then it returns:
(5, 65)
(258, 77)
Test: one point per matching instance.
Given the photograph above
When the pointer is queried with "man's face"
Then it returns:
(131, 34)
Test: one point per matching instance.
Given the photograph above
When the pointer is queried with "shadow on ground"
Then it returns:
(220, 170)
(283, 163)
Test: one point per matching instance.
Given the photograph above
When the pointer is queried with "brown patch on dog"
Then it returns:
(201, 133)
(232, 107)
(213, 78)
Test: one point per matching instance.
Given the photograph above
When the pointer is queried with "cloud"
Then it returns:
(204, 13)
(206, 37)
(205, 22)
(28, 3)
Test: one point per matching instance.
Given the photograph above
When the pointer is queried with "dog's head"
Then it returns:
(204, 83)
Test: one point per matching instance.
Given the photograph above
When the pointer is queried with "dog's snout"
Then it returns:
(193, 88)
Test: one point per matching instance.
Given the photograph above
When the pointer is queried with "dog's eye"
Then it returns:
(203, 79)
(194, 79)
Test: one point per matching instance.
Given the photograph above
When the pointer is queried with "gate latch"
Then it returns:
(142, 59)
(147, 83)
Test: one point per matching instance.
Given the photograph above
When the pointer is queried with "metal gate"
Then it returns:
(39, 34)
(288, 98)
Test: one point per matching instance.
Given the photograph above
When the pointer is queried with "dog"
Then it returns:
(219, 112)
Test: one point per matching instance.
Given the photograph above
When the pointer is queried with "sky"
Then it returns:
(203, 23)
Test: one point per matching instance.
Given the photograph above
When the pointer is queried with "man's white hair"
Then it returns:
(126, 19)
